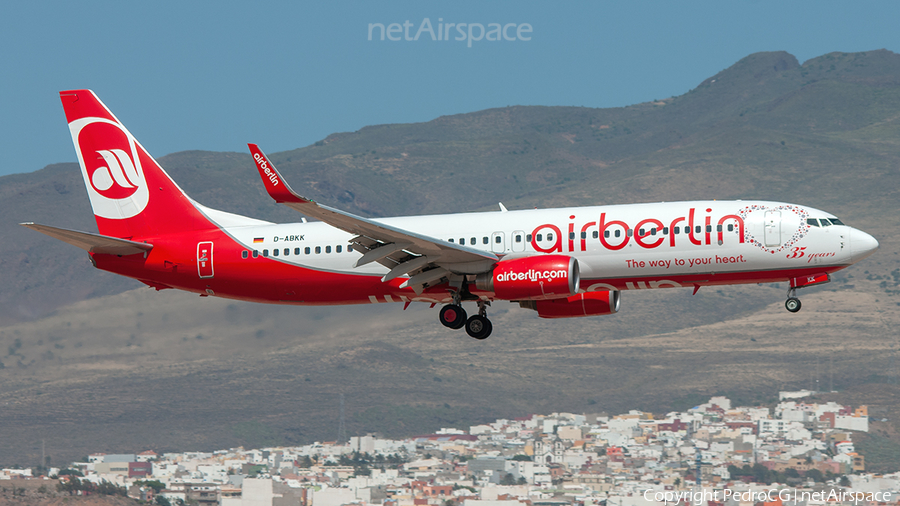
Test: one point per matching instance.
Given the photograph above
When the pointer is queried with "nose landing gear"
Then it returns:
(792, 303)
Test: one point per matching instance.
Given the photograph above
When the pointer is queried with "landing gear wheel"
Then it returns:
(792, 304)
(453, 316)
(479, 327)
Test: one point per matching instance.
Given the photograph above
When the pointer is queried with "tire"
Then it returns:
(453, 316)
(479, 327)
(792, 304)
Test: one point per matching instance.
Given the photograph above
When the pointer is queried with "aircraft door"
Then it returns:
(205, 259)
(498, 242)
(517, 241)
(773, 228)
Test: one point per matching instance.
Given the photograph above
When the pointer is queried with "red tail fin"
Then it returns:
(131, 195)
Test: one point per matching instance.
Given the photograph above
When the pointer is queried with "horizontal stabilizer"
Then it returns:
(92, 243)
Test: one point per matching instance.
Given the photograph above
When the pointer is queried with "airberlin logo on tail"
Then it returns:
(117, 176)
(264, 166)
(111, 166)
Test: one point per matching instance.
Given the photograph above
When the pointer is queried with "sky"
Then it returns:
(216, 75)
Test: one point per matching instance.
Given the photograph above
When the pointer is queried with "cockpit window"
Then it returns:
(825, 222)
(812, 222)
(835, 221)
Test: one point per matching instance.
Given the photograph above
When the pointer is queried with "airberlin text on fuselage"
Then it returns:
(264, 165)
(616, 234)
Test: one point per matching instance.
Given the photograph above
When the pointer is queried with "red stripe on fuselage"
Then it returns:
(252, 279)
(707, 279)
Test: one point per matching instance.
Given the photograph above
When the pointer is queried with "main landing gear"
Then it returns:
(454, 316)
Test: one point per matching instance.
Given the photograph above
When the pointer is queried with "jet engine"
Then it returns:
(582, 304)
(532, 278)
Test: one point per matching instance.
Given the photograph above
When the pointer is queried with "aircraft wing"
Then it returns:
(426, 259)
(92, 243)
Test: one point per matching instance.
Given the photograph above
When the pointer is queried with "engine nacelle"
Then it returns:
(532, 278)
(583, 304)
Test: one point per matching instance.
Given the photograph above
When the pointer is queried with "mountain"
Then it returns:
(94, 366)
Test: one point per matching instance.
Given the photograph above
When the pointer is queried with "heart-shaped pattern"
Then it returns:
(800, 233)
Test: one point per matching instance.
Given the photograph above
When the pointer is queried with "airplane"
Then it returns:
(561, 263)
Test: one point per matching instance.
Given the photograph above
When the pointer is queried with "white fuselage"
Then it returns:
(656, 245)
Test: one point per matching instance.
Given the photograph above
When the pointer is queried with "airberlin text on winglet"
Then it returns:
(264, 165)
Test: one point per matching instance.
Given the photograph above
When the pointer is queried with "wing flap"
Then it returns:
(371, 234)
(90, 242)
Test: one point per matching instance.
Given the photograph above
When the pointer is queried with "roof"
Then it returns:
(446, 437)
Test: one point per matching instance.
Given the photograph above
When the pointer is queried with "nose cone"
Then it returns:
(861, 245)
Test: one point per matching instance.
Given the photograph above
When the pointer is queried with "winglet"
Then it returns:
(273, 180)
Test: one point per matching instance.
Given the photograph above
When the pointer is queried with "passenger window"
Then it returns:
(812, 222)
(255, 254)
(518, 238)
(539, 237)
(629, 232)
(652, 231)
(709, 228)
(306, 250)
(275, 251)
(641, 233)
(676, 230)
(825, 222)
(245, 254)
(287, 251)
(584, 235)
(618, 233)
(698, 229)
(462, 240)
(337, 249)
(318, 249)
(451, 240)
(571, 236)
(472, 241)
(549, 237)
(718, 228)
(499, 239)
(665, 230)
(528, 238)
(327, 249)
(486, 241)
(265, 252)
(730, 227)
(606, 233)
(596, 234)
(350, 249)
(296, 251)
